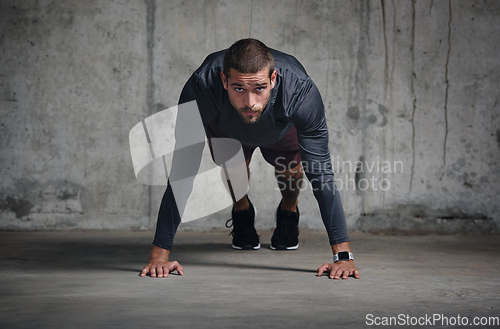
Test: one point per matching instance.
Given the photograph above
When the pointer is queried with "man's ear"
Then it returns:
(273, 78)
(224, 79)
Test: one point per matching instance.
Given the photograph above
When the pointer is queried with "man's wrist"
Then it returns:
(344, 249)
(158, 252)
(344, 246)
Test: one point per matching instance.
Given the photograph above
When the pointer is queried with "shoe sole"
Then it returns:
(284, 248)
(247, 246)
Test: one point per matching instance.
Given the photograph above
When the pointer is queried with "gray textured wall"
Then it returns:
(411, 90)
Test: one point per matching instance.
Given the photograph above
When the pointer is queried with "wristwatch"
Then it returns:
(342, 255)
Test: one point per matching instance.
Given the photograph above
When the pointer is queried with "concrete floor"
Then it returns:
(90, 280)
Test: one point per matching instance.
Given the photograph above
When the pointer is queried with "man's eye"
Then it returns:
(238, 89)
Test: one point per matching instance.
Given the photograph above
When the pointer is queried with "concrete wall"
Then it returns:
(410, 88)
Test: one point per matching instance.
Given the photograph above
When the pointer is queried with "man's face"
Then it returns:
(249, 92)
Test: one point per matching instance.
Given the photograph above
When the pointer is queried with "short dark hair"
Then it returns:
(248, 56)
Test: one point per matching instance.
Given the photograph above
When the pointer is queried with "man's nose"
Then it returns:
(249, 100)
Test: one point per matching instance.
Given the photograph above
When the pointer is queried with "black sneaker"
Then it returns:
(286, 234)
(244, 235)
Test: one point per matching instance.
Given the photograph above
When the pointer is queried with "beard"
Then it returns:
(250, 119)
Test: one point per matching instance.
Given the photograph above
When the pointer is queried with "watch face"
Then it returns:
(343, 255)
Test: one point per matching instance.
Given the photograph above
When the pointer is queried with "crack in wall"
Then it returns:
(295, 28)
(327, 53)
(360, 82)
(251, 20)
(394, 29)
(150, 22)
(386, 60)
(150, 26)
(214, 15)
(447, 87)
(386, 87)
(414, 96)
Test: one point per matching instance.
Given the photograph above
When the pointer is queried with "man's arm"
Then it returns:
(312, 134)
(172, 207)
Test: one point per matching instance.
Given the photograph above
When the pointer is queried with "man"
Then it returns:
(263, 98)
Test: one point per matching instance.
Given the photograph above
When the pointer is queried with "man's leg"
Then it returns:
(243, 221)
(284, 156)
(243, 213)
(290, 182)
(243, 203)
(213, 132)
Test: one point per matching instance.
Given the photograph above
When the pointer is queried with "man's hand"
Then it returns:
(159, 266)
(341, 269)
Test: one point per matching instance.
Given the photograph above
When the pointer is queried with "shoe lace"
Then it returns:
(286, 226)
(231, 221)
(231, 225)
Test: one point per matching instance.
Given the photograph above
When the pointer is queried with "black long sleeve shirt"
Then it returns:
(294, 100)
